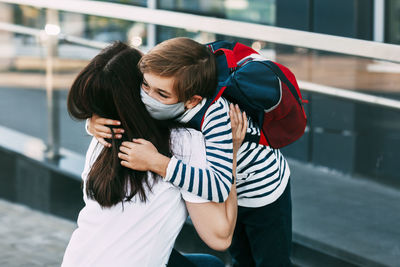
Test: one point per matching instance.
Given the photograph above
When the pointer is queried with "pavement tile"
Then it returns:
(31, 238)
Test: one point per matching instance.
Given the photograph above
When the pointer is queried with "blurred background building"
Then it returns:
(354, 93)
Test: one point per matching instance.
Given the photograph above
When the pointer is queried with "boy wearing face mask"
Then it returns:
(179, 75)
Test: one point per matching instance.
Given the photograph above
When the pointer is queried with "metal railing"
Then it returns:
(255, 31)
(152, 16)
(42, 35)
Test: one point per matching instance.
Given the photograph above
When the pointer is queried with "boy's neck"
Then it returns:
(190, 113)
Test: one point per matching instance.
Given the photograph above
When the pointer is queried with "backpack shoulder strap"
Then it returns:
(283, 77)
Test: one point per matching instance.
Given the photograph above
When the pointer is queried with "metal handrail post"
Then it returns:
(53, 145)
(379, 21)
(151, 28)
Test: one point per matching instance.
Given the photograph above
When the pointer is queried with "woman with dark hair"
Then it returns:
(132, 218)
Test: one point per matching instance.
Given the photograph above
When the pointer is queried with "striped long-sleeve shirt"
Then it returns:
(262, 172)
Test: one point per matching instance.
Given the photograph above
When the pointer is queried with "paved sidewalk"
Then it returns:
(353, 219)
(31, 238)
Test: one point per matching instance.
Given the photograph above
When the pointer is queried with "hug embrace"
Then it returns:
(146, 168)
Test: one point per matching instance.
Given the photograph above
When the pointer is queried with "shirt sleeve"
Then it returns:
(87, 127)
(189, 197)
(212, 181)
(91, 155)
(192, 151)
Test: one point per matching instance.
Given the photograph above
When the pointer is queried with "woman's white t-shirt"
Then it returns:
(135, 233)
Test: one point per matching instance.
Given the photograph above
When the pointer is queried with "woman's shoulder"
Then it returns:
(184, 141)
(185, 135)
(94, 150)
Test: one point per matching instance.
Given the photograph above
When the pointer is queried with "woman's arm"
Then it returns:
(215, 222)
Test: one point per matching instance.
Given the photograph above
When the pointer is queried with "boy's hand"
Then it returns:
(98, 127)
(239, 126)
(138, 155)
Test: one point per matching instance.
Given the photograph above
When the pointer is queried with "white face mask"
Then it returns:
(159, 110)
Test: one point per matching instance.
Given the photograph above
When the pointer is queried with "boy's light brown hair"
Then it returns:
(191, 64)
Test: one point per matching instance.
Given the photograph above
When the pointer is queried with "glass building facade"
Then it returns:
(393, 22)
(354, 18)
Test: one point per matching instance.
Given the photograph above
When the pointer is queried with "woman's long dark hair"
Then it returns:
(109, 86)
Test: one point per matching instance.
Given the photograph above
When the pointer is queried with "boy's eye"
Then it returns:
(162, 95)
(144, 84)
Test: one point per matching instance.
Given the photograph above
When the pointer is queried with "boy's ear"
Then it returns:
(193, 101)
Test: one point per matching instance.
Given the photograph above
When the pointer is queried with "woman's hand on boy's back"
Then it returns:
(239, 126)
(142, 155)
(99, 128)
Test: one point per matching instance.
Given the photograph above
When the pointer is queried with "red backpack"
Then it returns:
(266, 90)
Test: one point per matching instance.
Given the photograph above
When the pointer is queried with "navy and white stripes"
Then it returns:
(214, 182)
(262, 172)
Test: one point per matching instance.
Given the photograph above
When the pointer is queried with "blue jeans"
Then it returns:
(263, 236)
(204, 260)
(193, 260)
